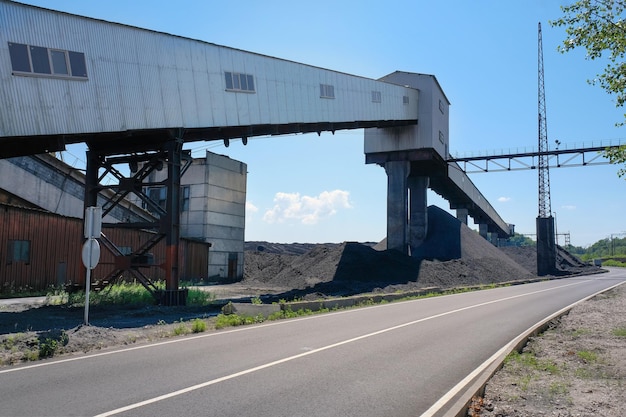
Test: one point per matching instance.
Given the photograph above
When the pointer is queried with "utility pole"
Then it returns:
(546, 247)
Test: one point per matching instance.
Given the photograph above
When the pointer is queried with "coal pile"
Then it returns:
(452, 255)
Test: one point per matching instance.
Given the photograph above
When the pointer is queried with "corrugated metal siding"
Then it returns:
(55, 251)
(53, 240)
(139, 79)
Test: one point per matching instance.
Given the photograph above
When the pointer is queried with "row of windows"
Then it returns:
(239, 82)
(37, 60)
(28, 59)
(245, 83)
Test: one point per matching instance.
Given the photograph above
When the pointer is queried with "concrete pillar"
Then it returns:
(546, 246)
(483, 230)
(418, 214)
(397, 205)
(462, 214)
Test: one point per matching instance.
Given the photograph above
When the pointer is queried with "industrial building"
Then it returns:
(136, 96)
(47, 192)
(213, 210)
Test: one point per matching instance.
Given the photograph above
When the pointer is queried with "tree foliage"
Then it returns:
(599, 26)
(617, 156)
(520, 240)
(612, 246)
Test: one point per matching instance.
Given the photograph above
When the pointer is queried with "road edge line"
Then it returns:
(476, 381)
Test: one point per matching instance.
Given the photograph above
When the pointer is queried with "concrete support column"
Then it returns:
(397, 205)
(546, 246)
(483, 230)
(462, 214)
(418, 214)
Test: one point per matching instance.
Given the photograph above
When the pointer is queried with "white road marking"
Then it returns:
(314, 351)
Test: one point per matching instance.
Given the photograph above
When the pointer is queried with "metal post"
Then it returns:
(172, 217)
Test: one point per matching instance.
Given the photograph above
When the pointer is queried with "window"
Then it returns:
(125, 250)
(405, 99)
(184, 198)
(239, 82)
(59, 62)
(40, 59)
(158, 195)
(37, 60)
(377, 97)
(441, 106)
(441, 137)
(327, 91)
(18, 251)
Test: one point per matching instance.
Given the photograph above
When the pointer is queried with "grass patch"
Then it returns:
(199, 298)
(198, 326)
(233, 320)
(531, 362)
(587, 356)
(50, 342)
(124, 293)
(580, 332)
(619, 332)
(613, 262)
(9, 291)
(127, 293)
(180, 330)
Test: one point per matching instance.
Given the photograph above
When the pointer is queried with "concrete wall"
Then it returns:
(216, 211)
(223, 181)
(52, 185)
(432, 129)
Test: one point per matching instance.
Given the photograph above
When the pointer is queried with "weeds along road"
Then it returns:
(394, 359)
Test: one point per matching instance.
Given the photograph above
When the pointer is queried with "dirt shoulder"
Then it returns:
(575, 368)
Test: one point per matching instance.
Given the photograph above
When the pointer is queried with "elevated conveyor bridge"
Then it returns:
(135, 96)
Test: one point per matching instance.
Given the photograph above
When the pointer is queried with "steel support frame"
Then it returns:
(143, 158)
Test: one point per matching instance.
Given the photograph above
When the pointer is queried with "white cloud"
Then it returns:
(569, 207)
(306, 209)
(251, 208)
(504, 199)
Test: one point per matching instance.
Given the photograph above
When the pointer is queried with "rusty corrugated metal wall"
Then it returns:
(54, 251)
(54, 248)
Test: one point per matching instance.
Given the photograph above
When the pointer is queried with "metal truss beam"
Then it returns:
(557, 158)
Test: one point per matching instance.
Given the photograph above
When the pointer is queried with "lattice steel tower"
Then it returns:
(546, 246)
(544, 170)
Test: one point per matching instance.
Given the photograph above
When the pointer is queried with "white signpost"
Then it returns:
(91, 248)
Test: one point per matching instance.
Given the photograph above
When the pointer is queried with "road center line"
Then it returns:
(314, 351)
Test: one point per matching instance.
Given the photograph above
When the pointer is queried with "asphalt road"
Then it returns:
(399, 359)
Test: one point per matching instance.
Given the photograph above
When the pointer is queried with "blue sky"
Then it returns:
(305, 188)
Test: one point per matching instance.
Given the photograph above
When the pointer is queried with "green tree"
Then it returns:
(617, 156)
(599, 26)
(520, 240)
